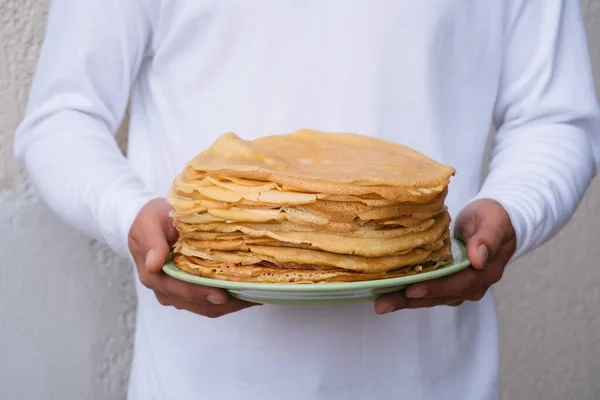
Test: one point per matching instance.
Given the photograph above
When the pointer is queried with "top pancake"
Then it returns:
(327, 163)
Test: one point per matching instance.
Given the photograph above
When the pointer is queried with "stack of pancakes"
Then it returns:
(310, 207)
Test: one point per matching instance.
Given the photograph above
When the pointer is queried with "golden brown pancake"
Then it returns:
(279, 255)
(334, 163)
(310, 207)
(265, 273)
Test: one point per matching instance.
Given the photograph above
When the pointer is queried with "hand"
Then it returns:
(486, 228)
(150, 239)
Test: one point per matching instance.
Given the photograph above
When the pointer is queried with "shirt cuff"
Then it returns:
(127, 207)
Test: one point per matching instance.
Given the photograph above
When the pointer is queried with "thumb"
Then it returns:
(483, 225)
(157, 255)
(152, 232)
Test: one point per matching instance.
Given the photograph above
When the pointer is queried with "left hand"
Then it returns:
(486, 229)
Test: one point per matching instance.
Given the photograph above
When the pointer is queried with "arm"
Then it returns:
(90, 57)
(545, 153)
(547, 147)
(92, 53)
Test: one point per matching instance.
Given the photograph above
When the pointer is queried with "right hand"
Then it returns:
(150, 239)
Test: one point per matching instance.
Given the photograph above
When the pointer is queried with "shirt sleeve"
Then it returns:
(546, 150)
(91, 55)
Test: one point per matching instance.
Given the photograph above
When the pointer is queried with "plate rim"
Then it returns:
(458, 246)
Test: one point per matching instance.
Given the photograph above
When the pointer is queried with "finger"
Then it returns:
(448, 286)
(467, 281)
(397, 301)
(211, 311)
(151, 236)
(183, 291)
(192, 293)
(170, 231)
(481, 247)
(476, 294)
(484, 225)
(157, 255)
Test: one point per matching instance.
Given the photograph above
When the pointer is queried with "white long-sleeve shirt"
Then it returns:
(430, 74)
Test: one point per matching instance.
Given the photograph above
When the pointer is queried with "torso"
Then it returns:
(423, 73)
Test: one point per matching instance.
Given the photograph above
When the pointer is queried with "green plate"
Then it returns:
(322, 293)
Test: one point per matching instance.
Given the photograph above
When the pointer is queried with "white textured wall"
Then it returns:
(67, 307)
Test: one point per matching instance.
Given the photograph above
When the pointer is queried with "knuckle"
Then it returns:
(458, 282)
(146, 281)
(145, 284)
(163, 302)
(133, 239)
(496, 275)
(132, 244)
(428, 304)
(396, 299)
(213, 314)
(162, 299)
(418, 304)
(472, 278)
(185, 292)
(478, 295)
(191, 294)
(400, 303)
(466, 284)
(496, 242)
(467, 223)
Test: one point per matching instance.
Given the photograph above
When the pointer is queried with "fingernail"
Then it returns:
(215, 299)
(149, 255)
(416, 293)
(483, 252)
(389, 310)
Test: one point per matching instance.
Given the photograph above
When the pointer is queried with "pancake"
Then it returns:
(363, 246)
(310, 207)
(335, 163)
(268, 273)
(256, 254)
